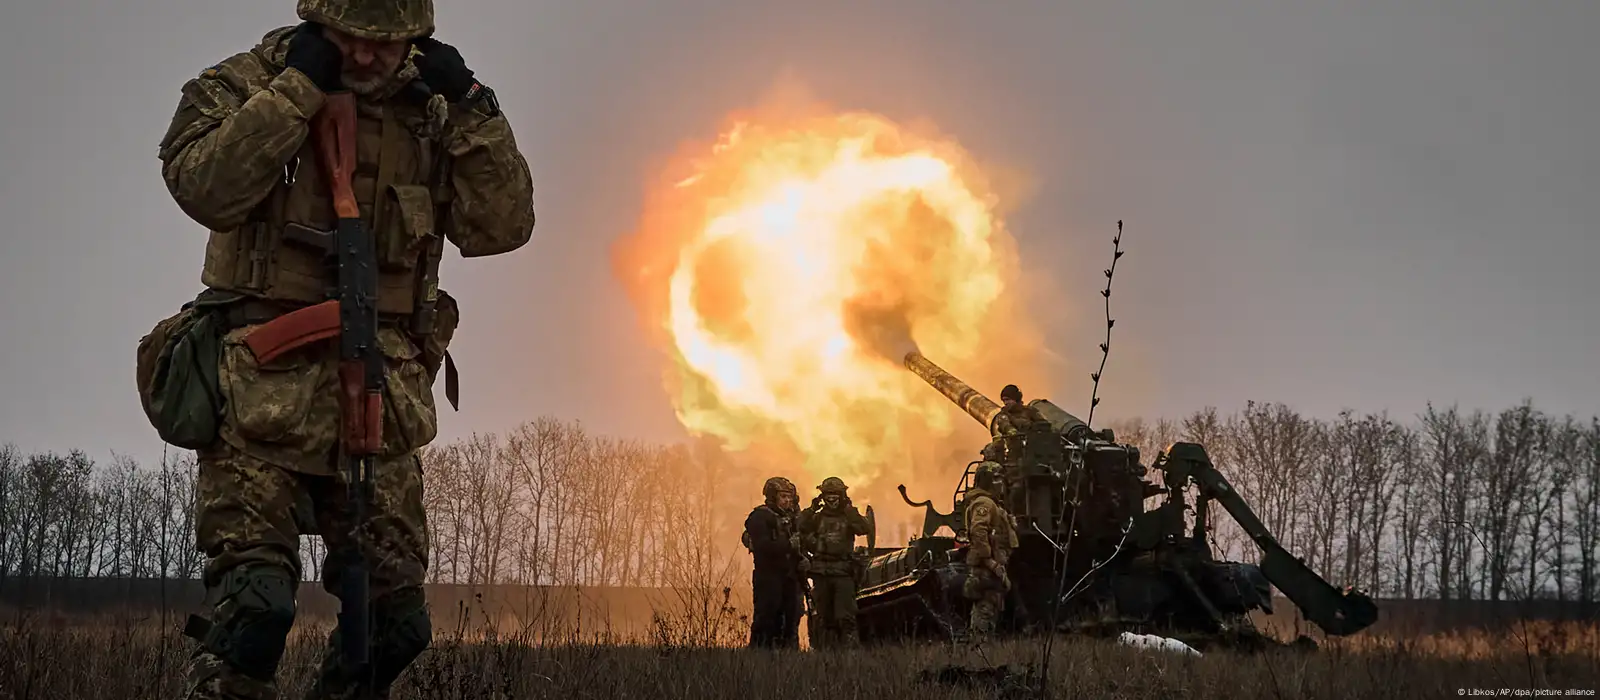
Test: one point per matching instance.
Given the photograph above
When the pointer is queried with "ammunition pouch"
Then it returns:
(253, 608)
(176, 372)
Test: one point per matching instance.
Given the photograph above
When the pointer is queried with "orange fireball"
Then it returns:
(787, 267)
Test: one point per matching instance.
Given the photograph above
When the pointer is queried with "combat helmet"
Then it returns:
(1011, 392)
(833, 484)
(378, 20)
(777, 485)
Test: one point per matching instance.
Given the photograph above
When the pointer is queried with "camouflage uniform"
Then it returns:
(775, 580)
(993, 537)
(1015, 416)
(237, 159)
(827, 534)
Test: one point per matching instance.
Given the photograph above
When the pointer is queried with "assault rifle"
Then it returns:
(352, 316)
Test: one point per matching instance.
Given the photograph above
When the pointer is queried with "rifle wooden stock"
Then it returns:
(334, 128)
(362, 409)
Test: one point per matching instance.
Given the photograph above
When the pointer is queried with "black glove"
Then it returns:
(443, 69)
(312, 54)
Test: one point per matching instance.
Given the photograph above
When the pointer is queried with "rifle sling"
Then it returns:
(388, 152)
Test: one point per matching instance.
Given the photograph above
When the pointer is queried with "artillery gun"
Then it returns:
(1092, 557)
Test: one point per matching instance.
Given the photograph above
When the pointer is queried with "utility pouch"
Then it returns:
(176, 373)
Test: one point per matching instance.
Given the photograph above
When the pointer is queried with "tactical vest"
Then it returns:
(834, 541)
(784, 525)
(281, 253)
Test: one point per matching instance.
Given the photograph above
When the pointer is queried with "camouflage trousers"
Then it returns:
(833, 622)
(249, 521)
(988, 595)
(778, 602)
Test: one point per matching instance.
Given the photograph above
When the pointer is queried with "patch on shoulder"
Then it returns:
(212, 72)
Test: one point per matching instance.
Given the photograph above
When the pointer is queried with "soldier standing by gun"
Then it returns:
(827, 532)
(775, 580)
(330, 162)
(1015, 416)
(992, 537)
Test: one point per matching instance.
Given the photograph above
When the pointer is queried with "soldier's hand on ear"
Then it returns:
(443, 69)
(314, 55)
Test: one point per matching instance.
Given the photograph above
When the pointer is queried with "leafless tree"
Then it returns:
(1454, 447)
(11, 503)
(1273, 448)
(1566, 456)
(1411, 476)
(1501, 522)
(1586, 516)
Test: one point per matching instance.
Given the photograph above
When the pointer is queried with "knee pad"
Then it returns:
(254, 610)
(403, 632)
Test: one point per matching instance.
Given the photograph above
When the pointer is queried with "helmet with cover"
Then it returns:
(377, 20)
(832, 484)
(777, 485)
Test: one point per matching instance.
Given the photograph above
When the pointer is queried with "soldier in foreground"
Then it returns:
(775, 581)
(434, 160)
(827, 533)
(993, 537)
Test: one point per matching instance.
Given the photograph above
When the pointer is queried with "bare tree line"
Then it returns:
(67, 516)
(1451, 505)
(1454, 505)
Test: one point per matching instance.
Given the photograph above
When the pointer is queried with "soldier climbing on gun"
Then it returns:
(993, 536)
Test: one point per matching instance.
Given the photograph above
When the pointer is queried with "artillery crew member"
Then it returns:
(827, 533)
(434, 160)
(993, 536)
(776, 581)
(1015, 416)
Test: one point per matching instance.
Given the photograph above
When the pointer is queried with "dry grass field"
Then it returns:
(688, 657)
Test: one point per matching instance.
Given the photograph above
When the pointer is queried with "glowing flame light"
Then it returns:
(792, 266)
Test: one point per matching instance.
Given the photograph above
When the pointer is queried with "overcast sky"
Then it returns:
(1331, 204)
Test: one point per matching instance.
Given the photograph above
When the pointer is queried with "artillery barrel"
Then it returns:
(960, 393)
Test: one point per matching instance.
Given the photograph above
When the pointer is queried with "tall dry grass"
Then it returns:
(692, 652)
